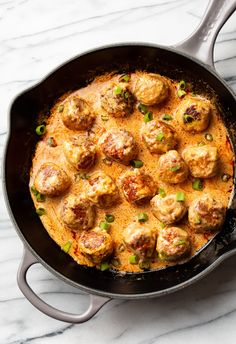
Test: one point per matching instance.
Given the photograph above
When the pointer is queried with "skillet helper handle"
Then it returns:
(200, 44)
(96, 302)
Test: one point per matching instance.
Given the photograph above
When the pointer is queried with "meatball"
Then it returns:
(206, 214)
(96, 245)
(140, 238)
(159, 137)
(77, 113)
(80, 152)
(117, 100)
(77, 212)
(103, 190)
(173, 243)
(202, 161)
(119, 145)
(194, 113)
(51, 180)
(137, 187)
(168, 209)
(172, 168)
(150, 89)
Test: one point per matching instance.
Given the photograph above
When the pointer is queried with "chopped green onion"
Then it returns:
(115, 262)
(124, 77)
(160, 137)
(121, 247)
(162, 224)
(180, 93)
(162, 192)
(148, 117)
(225, 177)
(126, 95)
(67, 246)
(208, 137)
(83, 176)
(40, 197)
(144, 264)
(175, 168)
(104, 117)
(109, 218)
(188, 118)
(182, 84)
(60, 108)
(136, 163)
(133, 259)
(180, 196)
(197, 220)
(40, 211)
(104, 266)
(197, 184)
(51, 142)
(142, 108)
(167, 117)
(142, 217)
(34, 190)
(180, 243)
(104, 225)
(118, 90)
(200, 144)
(41, 130)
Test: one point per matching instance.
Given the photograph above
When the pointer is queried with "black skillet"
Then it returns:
(177, 62)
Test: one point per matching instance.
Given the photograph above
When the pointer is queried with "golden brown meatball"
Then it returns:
(51, 180)
(103, 191)
(96, 245)
(150, 89)
(173, 243)
(140, 238)
(80, 151)
(168, 209)
(77, 113)
(119, 145)
(158, 136)
(117, 100)
(137, 187)
(77, 212)
(202, 161)
(206, 214)
(171, 168)
(194, 113)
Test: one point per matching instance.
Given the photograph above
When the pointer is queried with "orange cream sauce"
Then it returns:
(124, 212)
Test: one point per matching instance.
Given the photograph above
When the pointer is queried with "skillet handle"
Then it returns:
(200, 44)
(96, 302)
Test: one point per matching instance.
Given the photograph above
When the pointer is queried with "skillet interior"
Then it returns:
(73, 75)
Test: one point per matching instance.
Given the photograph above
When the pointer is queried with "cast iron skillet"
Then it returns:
(176, 62)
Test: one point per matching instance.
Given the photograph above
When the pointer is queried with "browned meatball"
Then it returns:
(96, 245)
(150, 89)
(51, 180)
(194, 114)
(158, 136)
(119, 145)
(77, 113)
(103, 191)
(117, 100)
(140, 238)
(202, 161)
(168, 209)
(77, 212)
(80, 151)
(173, 243)
(171, 168)
(206, 214)
(137, 187)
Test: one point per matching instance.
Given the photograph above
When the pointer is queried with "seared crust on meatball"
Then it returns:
(173, 243)
(77, 113)
(117, 100)
(171, 168)
(168, 209)
(77, 212)
(140, 238)
(80, 151)
(158, 136)
(194, 113)
(137, 187)
(96, 245)
(51, 180)
(119, 145)
(150, 89)
(206, 214)
(103, 191)
(202, 161)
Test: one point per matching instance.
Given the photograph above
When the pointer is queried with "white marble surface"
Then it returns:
(36, 36)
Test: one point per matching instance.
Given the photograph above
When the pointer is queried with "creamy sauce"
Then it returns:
(124, 212)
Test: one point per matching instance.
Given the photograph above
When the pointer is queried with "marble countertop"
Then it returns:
(35, 37)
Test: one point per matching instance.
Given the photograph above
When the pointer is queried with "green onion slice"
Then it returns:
(121, 247)
(67, 246)
(104, 117)
(124, 77)
(109, 218)
(200, 144)
(40, 211)
(118, 90)
(142, 217)
(126, 95)
(142, 108)
(162, 224)
(144, 264)
(40, 197)
(60, 108)
(136, 163)
(162, 192)
(104, 225)
(197, 184)
(208, 137)
(175, 168)
(104, 266)
(160, 137)
(148, 117)
(181, 93)
(167, 117)
(182, 84)
(41, 130)
(51, 142)
(188, 118)
(180, 243)
(115, 262)
(225, 177)
(197, 219)
(180, 196)
(133, 259)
